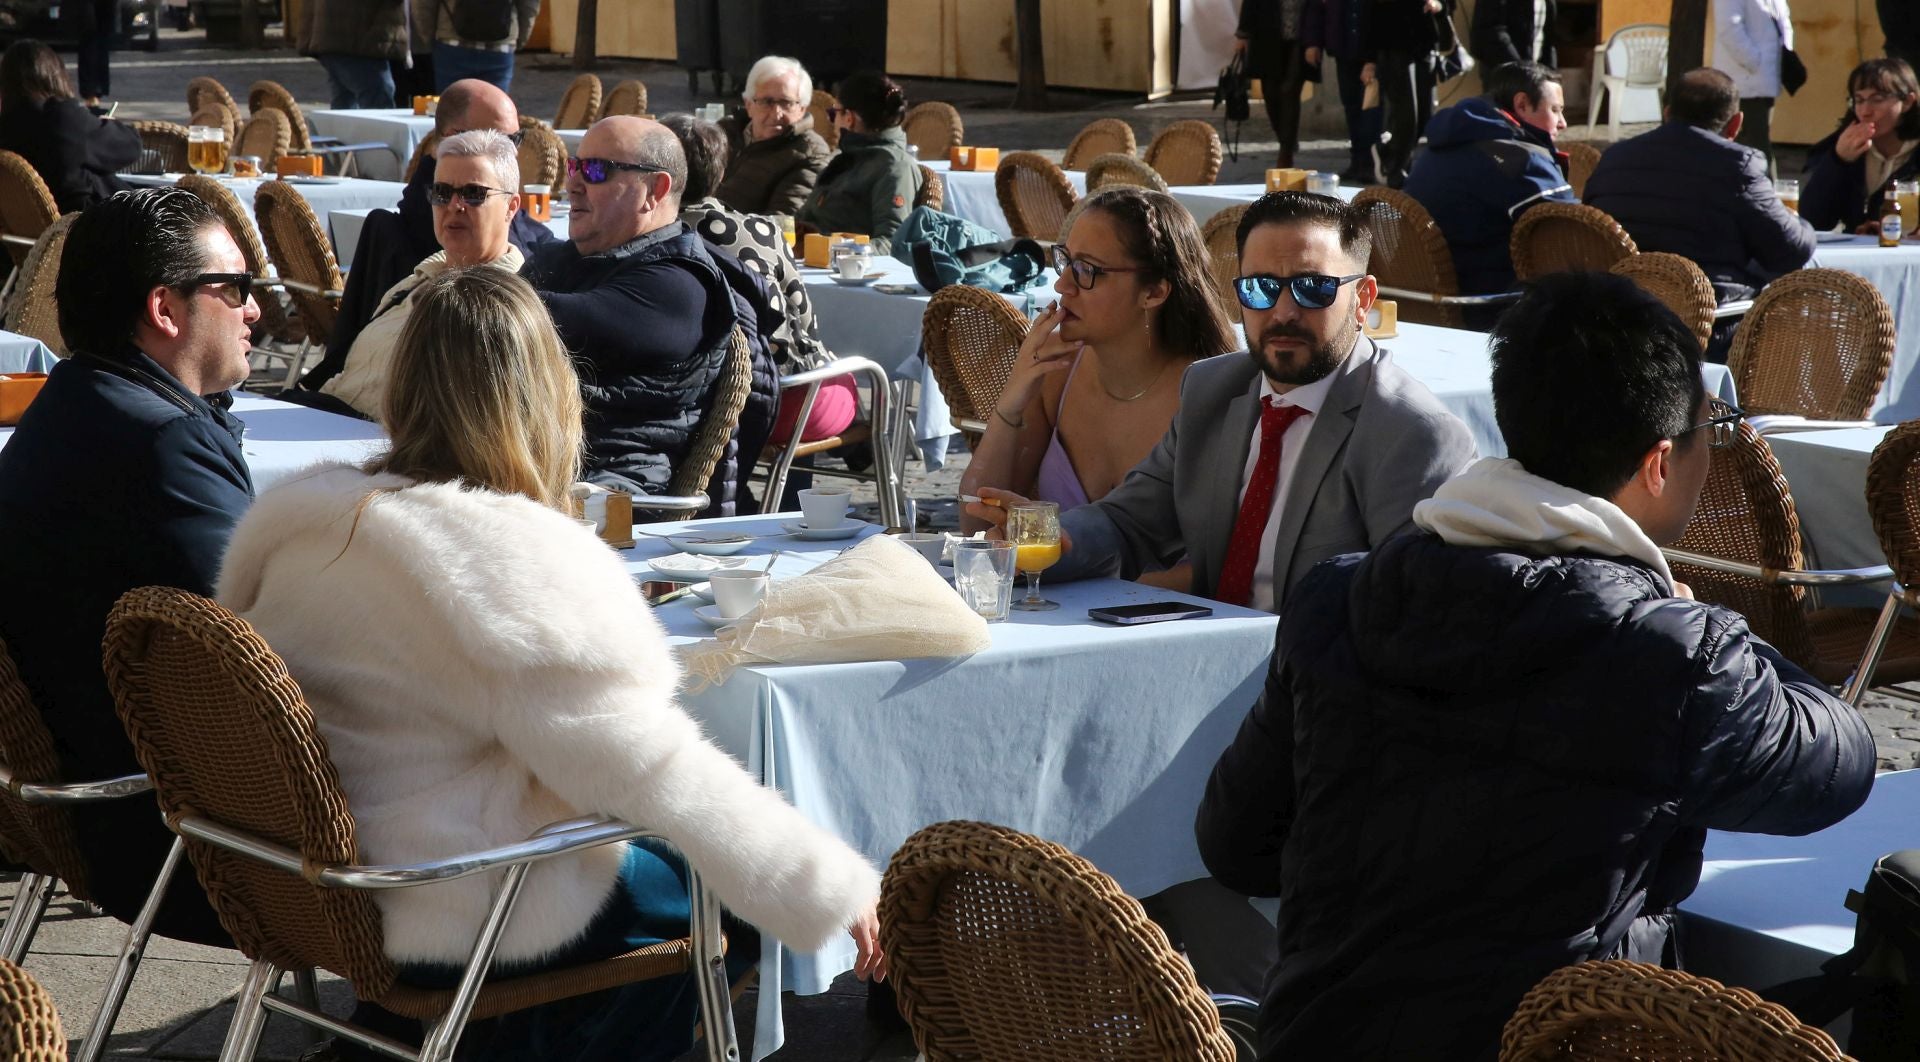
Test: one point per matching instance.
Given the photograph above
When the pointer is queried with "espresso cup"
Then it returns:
(852, 266)
(736, 592)
(930, 546)
(824, 507)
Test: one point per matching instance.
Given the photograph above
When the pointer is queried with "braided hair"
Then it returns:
(1160, 234)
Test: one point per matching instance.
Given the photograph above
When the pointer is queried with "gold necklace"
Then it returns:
(1143, 391)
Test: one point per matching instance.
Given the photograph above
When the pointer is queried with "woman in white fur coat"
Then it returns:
(482, 665)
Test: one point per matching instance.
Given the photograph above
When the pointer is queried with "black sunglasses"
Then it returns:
(595, 171)
(1311, 291)
(440, 193)
(235, 288)
(1085, 274)
(1722, 423)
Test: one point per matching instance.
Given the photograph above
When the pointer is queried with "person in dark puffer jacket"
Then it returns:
(1878, 143)
(1493, 747)
(870, 186)
(640, 301)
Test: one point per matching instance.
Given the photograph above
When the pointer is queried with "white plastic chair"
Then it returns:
(1635, 57)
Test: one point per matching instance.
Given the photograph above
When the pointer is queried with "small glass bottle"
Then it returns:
(1892, 226)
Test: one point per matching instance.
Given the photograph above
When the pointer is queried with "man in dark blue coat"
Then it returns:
(1488, 159)
(1688, 189)
(126, 471)
(1493, 747)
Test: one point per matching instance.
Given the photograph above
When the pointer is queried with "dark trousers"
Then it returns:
(1406, 92)
(1363, 126)
(95, 45)
(1282, 70)
(1756, 125)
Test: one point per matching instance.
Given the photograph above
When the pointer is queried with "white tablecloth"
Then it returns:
(1827, 473)
(571, 138)
(969, 194)
(1099, 738)
(397, 127)
(20, 353)
(1896, 272)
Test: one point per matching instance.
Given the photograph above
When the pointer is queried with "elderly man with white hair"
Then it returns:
(776, 155)
(475, 195)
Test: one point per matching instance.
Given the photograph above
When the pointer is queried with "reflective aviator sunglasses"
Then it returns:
(1311, 291)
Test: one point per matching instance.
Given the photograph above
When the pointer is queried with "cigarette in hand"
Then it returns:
(966, 498)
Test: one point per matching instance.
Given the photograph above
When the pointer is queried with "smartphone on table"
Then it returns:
(1148, 612)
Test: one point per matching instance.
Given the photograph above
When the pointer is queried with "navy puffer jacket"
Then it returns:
(1472, 766)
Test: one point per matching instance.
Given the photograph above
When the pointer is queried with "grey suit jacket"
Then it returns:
(1380, 444)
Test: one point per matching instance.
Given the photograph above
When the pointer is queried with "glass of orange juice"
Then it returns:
(1034, 530)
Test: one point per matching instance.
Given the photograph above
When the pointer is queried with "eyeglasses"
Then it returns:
(834, 113)
(1722, 424)
(440, 193)
(1874, 100)
(234, 289)
(1085, 274)
(596, 171)
(1311, 291)
(778, 104)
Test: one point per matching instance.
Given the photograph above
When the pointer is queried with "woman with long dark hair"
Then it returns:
(1850, 172)
(76, 153)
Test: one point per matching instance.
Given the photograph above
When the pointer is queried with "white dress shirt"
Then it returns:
(1309, 397)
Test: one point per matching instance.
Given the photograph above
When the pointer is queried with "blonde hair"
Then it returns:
(482, 391)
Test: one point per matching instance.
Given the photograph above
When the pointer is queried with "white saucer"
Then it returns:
(694, 542)
(703, 591)
(312, 180)
(1833, 237)
(710, 615)
(824, 534)
(685, 568)
(854, 282)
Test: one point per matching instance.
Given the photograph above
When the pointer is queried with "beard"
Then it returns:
(1309, 366)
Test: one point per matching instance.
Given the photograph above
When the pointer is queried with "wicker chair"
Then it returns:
(1115, 168)
(1817, 344)
(933, 190)
(216, 115)
(1742, 550)
(1186, 152)
(933, 127)
(1034, 193)
(1221, 236)
(26, 206)
(266, 95)
(1581, 159)
(823, 101)
(1411, 259)
(1566, 238)
(424, 150)
(971, 337)
(303, 257)
(1102, 136)
(29, 1024)
(1893, 501)
(1003, 945)
(266, 136)
(543, 155)
(1617, 1009)
(277, 325)
(202, 91)
(580, 104)
(1679, 284)
(243, 774)
(687, 493)
(163, 148)
(35, 307)
(628, 97)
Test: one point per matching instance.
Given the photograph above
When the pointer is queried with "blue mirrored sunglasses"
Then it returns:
(595, 171)
(1311, 291)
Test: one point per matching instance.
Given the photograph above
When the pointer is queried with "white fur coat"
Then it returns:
(481, 666)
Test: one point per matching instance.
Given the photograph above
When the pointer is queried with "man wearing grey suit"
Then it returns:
(1311, 445)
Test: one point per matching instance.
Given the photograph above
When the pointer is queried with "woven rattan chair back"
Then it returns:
(163, 147)
(225, 733)
(1628, 1010)
(1034, 194)
(274, 319)
(219, 116)
(1746, 514)
(26, 204)
(971, 337)
(1582, 157)
(1677, 283)
(39, 835)
(1410, 252)
(543, 155)
(266, 136)
(35, 306)
(1566, 238)
(1221, 235)
(423, 150)
(824, 101)
(933, 190)
(717, 426)
(628, 97)
(933, 127)
(272, 94)
(1817, 343)
(29, 1024)
(300, 253)
(1003, 945)
(580, 104)
(202, 91)
(1186, 152)
(1116, 167)
(1893, 500)
(1102, 136)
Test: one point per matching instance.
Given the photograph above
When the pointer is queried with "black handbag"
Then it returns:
(1879, 980)
(1793, 72)
(1235, 89)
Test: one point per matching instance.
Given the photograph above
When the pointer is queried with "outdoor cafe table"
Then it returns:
(1099, 738)
(1895, 271)
(20, 353)
(397, 127)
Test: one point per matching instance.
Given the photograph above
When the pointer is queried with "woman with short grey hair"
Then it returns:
(776, 155)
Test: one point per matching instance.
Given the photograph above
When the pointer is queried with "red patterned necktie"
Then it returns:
(1243, 553)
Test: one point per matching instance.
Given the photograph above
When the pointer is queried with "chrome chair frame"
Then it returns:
(257, 997)
(888, 459)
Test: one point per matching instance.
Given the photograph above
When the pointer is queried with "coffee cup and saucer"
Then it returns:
(854, 270)
(735, 593)
(823, 515)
